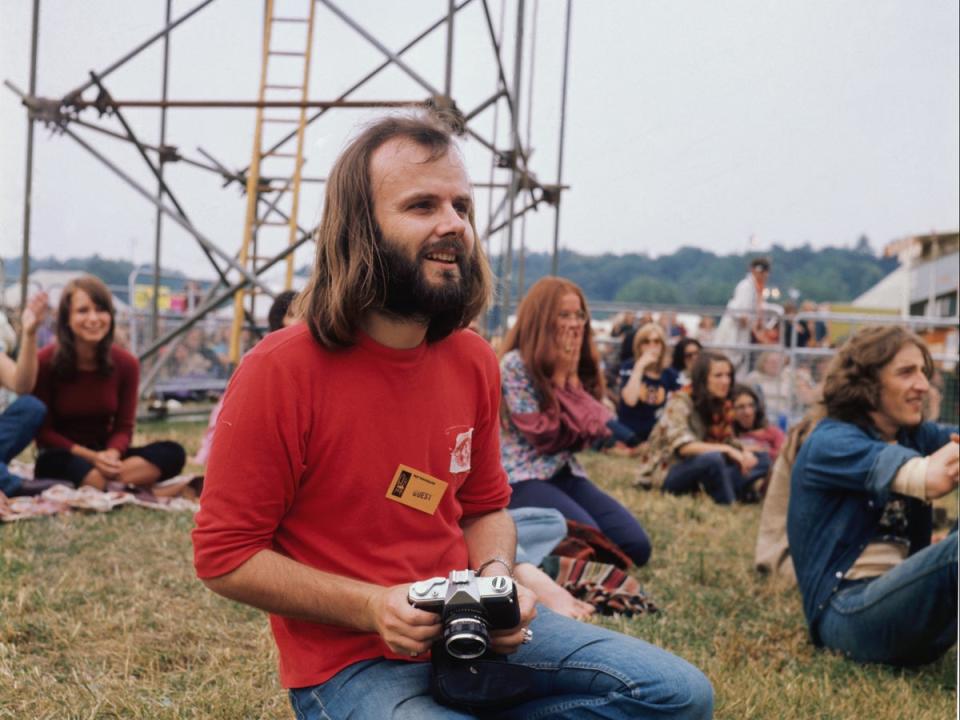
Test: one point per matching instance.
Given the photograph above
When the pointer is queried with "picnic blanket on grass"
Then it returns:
(62, 499)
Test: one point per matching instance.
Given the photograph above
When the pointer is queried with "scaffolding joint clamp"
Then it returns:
(506, 159)
(550, 194)
(46, 110)
(445, 110)
(169, 153)
(103, 103)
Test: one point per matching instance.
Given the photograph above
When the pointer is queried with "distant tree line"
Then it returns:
(689, 276)
(692, 276)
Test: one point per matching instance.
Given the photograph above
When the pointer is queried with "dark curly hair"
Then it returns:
(279, 309)
(679, 349)
(760, 416)
(851, 389)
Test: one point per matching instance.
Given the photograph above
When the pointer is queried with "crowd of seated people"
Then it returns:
(77, 399)
(714, 435)
(698, 430)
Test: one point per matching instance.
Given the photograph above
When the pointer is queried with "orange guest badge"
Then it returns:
(416, 489)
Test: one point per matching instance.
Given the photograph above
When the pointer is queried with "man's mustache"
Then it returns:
(452, 246)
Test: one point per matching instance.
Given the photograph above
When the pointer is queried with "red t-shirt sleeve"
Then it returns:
(256, 462)
(487, 488)
(128, 379)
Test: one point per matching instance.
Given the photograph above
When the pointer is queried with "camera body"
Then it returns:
(468, 606)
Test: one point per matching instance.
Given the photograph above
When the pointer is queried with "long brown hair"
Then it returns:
(534, 335)
(707, 405)
(852, 387)
(65, 355)
(759, 412)
(344, 286)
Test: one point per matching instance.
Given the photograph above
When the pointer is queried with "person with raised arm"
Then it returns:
(859, 519)
(21, 419)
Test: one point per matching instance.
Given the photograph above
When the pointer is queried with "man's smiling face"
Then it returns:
(903, 387)
(423, 209)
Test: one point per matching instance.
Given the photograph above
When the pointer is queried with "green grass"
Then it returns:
(101, 617)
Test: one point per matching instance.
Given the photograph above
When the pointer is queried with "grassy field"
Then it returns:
(101, 617)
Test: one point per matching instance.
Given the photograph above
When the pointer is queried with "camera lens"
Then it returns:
(465, 635)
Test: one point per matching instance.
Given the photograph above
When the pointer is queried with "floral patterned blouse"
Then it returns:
(520, 459)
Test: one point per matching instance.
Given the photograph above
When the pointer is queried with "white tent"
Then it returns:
(886, 294)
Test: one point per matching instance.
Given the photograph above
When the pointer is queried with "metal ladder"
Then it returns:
(259, 232)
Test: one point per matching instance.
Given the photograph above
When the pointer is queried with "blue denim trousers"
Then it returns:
(907, 616)
(580, 500)
(18, 424)
(719, 477)
(539, 530)
(587, 672)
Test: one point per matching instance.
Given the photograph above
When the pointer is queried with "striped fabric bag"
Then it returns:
(608, 588)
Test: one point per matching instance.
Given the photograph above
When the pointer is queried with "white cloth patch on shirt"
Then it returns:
(460, 455)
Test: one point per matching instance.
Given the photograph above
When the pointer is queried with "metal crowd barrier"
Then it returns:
(800, 370)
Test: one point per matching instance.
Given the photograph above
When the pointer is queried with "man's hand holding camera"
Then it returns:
(474, 613)
(405, 629)
(506, 642)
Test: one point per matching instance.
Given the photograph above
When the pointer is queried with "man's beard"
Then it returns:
(407, 293)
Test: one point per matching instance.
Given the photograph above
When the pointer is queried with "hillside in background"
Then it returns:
(689, 276)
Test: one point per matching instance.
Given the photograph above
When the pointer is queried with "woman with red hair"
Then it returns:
(552, 387)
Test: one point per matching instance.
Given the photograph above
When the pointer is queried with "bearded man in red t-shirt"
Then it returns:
(358, 452)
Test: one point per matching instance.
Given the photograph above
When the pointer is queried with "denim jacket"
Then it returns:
(839, 487)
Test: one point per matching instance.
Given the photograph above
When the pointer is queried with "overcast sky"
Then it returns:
(689, 122)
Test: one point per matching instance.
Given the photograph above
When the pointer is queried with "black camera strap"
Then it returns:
(485, 684)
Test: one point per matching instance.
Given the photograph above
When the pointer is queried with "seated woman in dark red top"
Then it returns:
(90, 389)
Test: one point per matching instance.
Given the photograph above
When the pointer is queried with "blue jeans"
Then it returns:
(538, 532)
(907, 616)
(582, 501)
(587, 672)
(18, 424)
(622, 432)
(718, 476)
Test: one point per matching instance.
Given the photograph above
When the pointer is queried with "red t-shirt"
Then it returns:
(306, 448)
(91, 410)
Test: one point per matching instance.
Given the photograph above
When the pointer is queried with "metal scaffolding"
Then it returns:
(266, 202)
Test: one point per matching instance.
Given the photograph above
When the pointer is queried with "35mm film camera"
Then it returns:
(469, 606)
